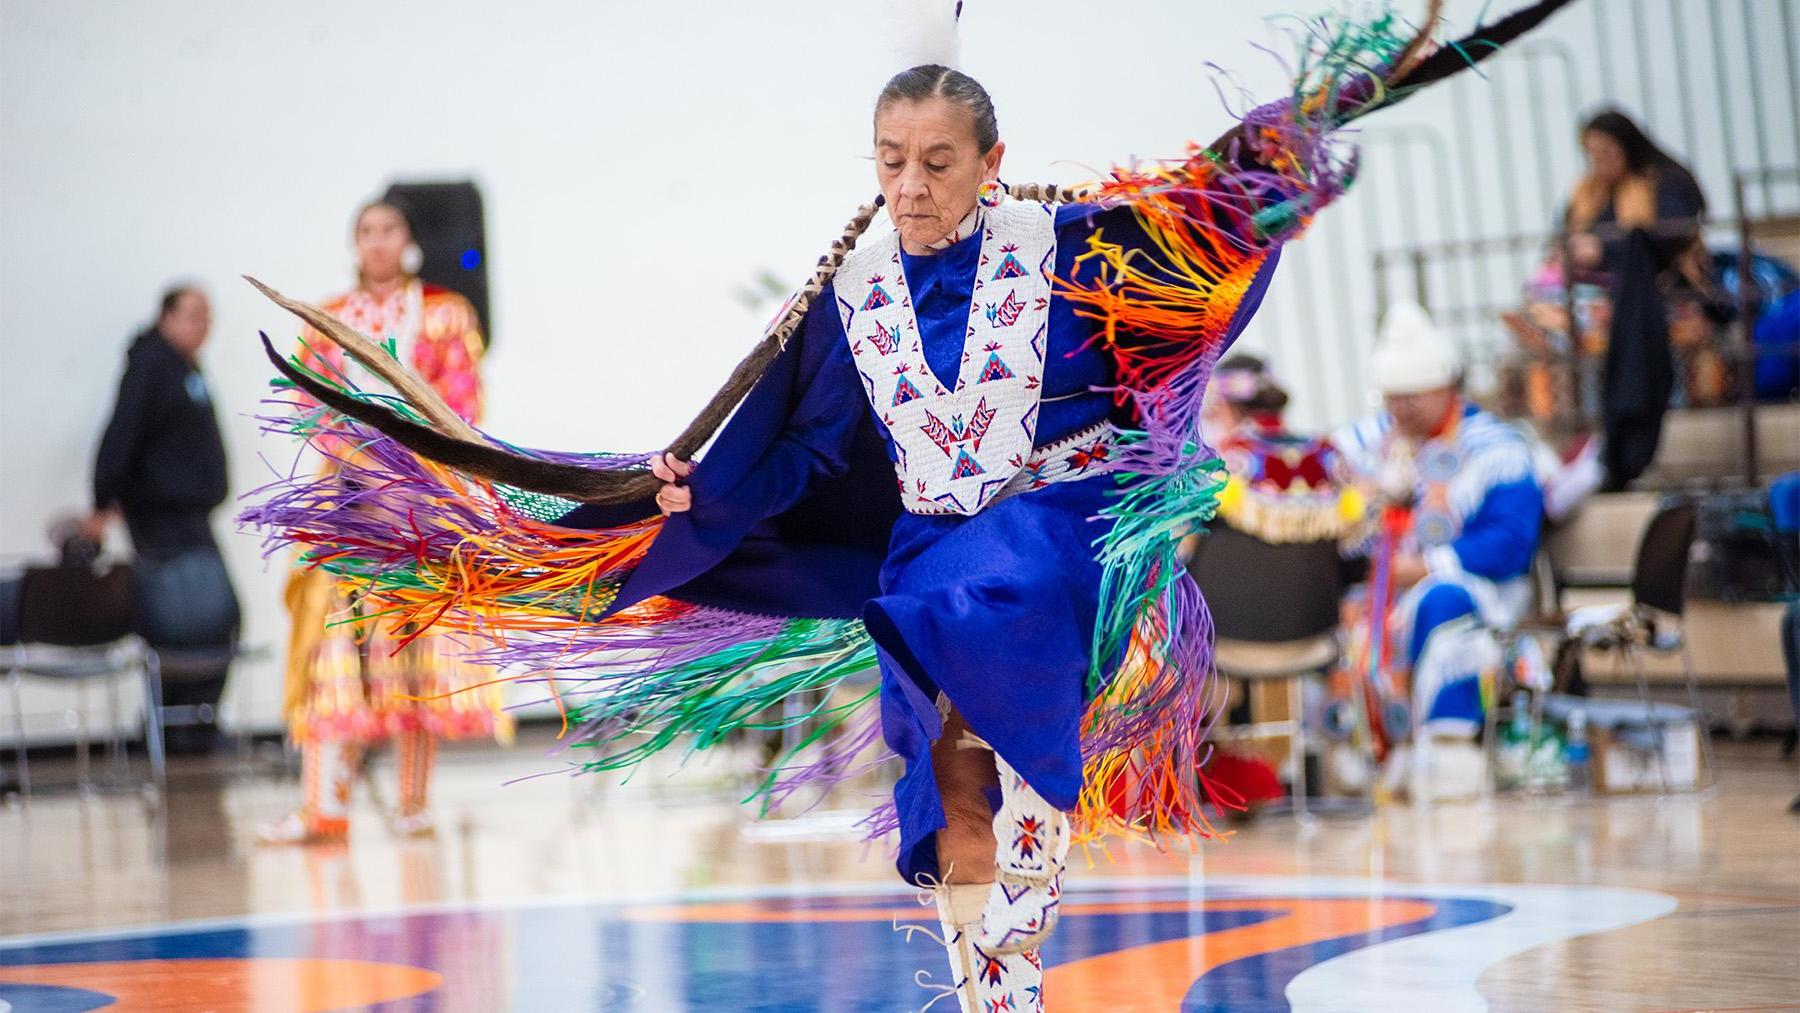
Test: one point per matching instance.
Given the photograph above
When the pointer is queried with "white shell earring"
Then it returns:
(412, 258)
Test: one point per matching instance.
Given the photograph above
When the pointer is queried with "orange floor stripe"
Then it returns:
(259, 983)
(1158, 976)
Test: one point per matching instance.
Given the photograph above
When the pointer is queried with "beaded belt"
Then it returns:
(1076, 456)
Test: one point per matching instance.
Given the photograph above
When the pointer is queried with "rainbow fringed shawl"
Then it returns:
(639, 672)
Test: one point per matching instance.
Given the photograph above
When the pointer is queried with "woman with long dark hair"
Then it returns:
(1631, 183)
(1636, 219)
(1646, 331)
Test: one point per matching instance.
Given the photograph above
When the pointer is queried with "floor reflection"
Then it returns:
(1124, 945)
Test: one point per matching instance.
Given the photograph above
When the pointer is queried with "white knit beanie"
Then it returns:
(1412, 355)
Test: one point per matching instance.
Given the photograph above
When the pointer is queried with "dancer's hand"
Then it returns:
(673, 497)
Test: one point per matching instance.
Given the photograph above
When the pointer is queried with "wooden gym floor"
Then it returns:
(556, 893)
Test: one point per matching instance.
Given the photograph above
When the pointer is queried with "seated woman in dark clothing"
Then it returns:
(1634, 196)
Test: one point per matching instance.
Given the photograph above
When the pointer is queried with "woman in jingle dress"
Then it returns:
(350, 687)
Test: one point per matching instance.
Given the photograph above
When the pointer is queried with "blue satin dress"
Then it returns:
(995, 611)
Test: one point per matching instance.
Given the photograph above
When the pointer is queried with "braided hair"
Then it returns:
(752, 367)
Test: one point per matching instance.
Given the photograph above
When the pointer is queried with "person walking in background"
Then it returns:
(161, 465)
(352, 684)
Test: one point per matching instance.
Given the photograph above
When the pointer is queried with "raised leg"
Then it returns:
(965, 772)
(1020, 849)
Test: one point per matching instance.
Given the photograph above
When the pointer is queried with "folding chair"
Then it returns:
(1275, 610)
(1658, 590)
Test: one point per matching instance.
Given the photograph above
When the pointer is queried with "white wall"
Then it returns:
(640, 162)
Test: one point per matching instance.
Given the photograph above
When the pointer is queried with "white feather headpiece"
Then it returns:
(923, 31)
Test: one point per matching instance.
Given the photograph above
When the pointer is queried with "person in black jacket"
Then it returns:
(161, 465)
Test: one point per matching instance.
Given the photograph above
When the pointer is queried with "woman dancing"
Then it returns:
(964, 454)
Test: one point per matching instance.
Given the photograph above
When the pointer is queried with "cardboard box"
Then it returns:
(1621, 767)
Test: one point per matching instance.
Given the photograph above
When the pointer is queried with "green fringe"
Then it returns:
(538, 506)
(1138, 555)
(740, 688)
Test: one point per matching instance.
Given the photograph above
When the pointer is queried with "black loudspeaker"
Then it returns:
(447, 223)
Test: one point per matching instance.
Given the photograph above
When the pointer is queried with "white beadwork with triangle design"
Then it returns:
(958, 447)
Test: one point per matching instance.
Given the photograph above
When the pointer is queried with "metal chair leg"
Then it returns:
(1490, 745)
(18, 701)
(1535, 736)
(1636, 654)
(1702, 727)
(83, 758)
(1297, 742)
(241, 711)
(153, 716)
(793, 714)
(115, 743)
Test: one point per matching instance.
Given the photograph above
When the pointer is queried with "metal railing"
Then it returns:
(1415, 264)
(1460, 207)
